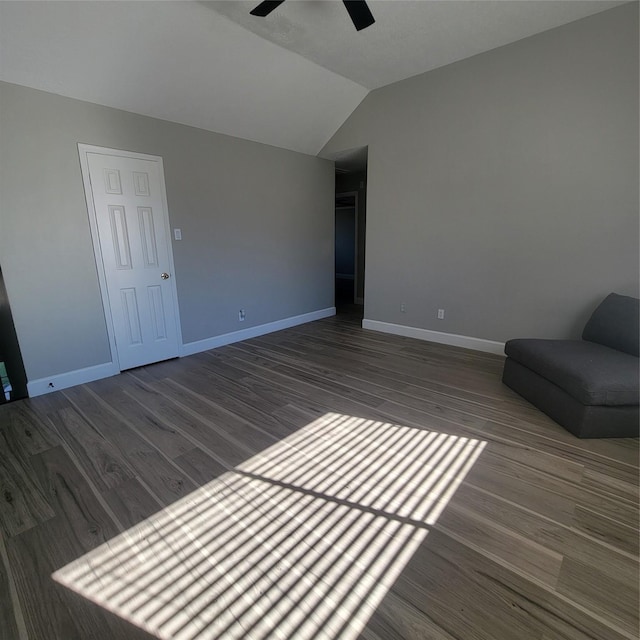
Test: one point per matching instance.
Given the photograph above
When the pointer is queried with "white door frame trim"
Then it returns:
(83, 150)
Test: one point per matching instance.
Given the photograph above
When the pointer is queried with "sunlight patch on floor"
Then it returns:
(301, 541)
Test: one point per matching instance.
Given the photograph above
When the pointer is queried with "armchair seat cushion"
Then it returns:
(593, 374)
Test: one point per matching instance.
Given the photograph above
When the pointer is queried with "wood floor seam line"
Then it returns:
(545, 518)
(476, 431)
(18, 614)
(402, 393)
(622, 524)
(93, 488)
(141, 435)
(239, 347)
(621, 631)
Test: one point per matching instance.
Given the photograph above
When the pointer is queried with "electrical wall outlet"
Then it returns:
(403, 308)
(440, 314)
(241, 315)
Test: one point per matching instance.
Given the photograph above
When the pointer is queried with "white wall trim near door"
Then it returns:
(89, 374)
(253, 332)
(453, 339)
(71, 378)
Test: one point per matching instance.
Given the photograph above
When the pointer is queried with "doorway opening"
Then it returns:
(350, 232)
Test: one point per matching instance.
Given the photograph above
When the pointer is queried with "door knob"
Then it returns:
(164, 276)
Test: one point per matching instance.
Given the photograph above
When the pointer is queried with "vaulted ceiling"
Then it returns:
(289, 80)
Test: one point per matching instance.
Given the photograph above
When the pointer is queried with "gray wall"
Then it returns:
(504, 188)
(351, 182)
(257, 226)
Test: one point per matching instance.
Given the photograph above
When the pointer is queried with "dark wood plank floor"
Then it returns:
(534, 536)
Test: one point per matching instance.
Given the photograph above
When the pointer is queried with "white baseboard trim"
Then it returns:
(453, 339)
(89, 374)
(71, 379)
(253, 332)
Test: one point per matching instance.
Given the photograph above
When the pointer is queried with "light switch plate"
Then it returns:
(177, 234)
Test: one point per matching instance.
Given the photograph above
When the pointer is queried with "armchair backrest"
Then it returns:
(616, 323)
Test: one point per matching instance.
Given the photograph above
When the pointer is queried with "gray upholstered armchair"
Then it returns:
(589, 386)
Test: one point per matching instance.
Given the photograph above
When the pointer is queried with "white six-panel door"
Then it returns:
(133, 233)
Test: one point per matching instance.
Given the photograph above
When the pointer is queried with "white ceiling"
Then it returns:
(408, 37)
(288, 80)
(177, 61)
